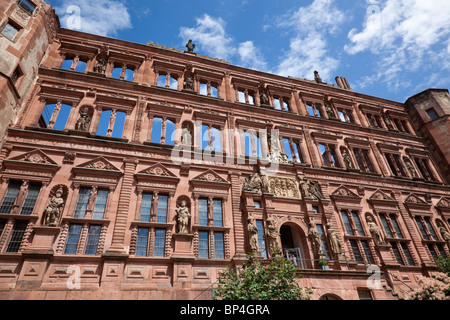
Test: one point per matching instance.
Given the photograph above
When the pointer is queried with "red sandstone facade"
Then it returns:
(91, 192)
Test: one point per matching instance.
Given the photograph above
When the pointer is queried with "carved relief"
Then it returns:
(100, 164)
(311, 189)
(210, 176)
(283, 187)
(84, 120)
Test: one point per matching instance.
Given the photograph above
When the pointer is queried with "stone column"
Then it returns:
(120, 226)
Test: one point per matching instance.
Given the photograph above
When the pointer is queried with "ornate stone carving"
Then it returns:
(283, 187)
(253, 235)
(375, 231)
(186, 135)
(445, 235)
(253, 183)
(84, 120)
(347, 159)
(410, 167)
(100, 66)
(53, 209)
(273, 235)
(101, 165)
(316, 240)
(311, 189)
(183, 217)
(334, 241)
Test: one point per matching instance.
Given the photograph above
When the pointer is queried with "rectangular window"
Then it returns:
(92, 240)
(397, 254)
(396, 226)
(367, 252)
(10, 30)
(73, 238)
(218, 217)
(407, 253)
(432, 114)
(324, 241)
(146, 207)
(100, 204)
(17, 236)
(364, 294)
(82, 203)
(386, 226)
(160, 243)
(203, 212)
(27, 5)
(218, 246)
(314, 110)
(203, 245)
(356, 252)
(161, 216)
(10, 197)
(329, 157)
(347, 224)
(30, 200)
(430, 228)
(257, 204)
(2, 225)
(261, 240)
(142, 242)
(363, 160)
(357, 222)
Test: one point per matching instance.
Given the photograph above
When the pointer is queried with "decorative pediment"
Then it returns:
(210, 176)
(343, 191)
(98, 171)
(210, 183)
(99, 163)
(35, 163)
(35, 156)
(158, 170)
(412, 198)
(381, 195)
(444, 202)
(157, 177)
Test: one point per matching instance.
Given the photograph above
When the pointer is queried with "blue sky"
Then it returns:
(386, 48)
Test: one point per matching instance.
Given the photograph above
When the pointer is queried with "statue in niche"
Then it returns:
(84, 120)
(273, 235)
(52, 211)
(100, 67)
(387, 122)
(253, 235)
(347, 159)
(410, 167)
(317, 77)
(186, 135)
(253, 184)
(315, 239)
(183, 216)
(334, 241)
(445, 235)
(375, 231)
(189, 82)
(190, 46)
(329, 110)
(264, 99)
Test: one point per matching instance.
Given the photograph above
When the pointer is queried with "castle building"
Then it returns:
(132, 171)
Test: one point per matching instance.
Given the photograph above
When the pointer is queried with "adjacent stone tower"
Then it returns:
(27, 28)
(430, 114)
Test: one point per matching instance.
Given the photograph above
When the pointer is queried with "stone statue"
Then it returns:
(100, 67)
(445, 235)
(52, 211)
(315, 239)
(410, 168)
(21, 196)
(334, 241)
(190, 46)
(253, 235)
(375, 231)
(186, 136)
(305, 188)
(329, 111)
(273, 235)
(317, 78)
(347, 159)
(83, 120)
(264, 99)
(311, 189)
(183, 217)
(387, 122)
(189, 82)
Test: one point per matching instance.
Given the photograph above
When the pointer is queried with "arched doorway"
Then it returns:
(293, 245)
(330, 296)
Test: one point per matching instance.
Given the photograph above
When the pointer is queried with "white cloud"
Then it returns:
(408, 36)
(101, 17)
(308, 46)
(211, 38)
(209, 35)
